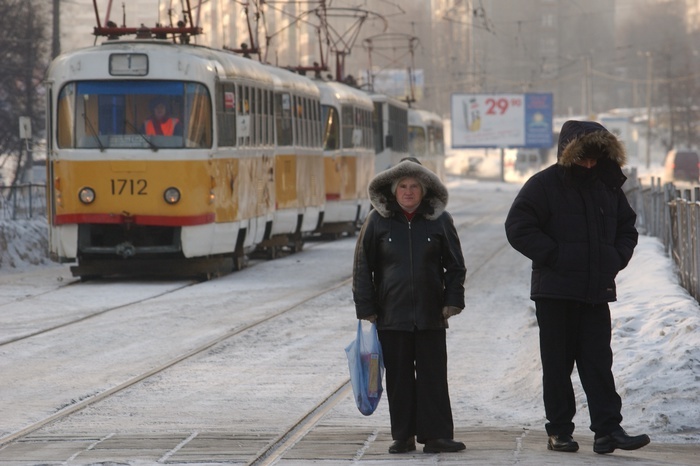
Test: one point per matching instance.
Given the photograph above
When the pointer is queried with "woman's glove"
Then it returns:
(449, 311)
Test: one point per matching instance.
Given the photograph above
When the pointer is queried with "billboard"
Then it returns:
(502, 120)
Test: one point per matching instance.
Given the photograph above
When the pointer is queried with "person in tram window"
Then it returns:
(161, 123)
(408, 277)
(574, 222)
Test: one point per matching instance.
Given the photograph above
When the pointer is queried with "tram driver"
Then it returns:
(161, 123)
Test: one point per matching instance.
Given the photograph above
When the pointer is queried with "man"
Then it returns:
(575, 224)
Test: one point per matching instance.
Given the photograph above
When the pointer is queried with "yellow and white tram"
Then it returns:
(195, 201)
(390, 131)
(348, 150)
(298, 166)
(426, 141)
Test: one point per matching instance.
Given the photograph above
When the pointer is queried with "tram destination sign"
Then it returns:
(502, 120)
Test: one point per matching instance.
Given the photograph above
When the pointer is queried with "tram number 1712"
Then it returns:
(130, 187)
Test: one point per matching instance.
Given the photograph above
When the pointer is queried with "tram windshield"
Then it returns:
(416, 141)
(134, 115)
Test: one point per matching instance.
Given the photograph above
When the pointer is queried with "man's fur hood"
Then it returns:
(588, 139)
(434, 199)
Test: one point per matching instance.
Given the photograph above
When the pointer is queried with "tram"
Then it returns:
(390, 131)
(195, 200)
(299, 165)
(426, 140)
(348, 151)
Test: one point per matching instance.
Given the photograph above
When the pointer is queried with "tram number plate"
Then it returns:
(129, 187)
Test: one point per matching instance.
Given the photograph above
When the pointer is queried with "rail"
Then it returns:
(23, 201)
(671, 214)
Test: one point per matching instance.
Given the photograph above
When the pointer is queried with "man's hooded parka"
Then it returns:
(406, 272)
(576, 224)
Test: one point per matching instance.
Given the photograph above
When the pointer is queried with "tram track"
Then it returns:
(27, 299)
(68, 323)
(306, 422)
(161, 367)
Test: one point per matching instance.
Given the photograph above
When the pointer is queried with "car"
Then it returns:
(682, 165)
(527, 160)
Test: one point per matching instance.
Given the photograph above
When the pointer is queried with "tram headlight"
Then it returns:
(171, 195)
(87, 195)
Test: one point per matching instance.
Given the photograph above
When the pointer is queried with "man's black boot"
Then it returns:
(619, 439)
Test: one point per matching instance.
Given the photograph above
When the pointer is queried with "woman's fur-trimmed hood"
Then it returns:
(588, 139)
(434, 199)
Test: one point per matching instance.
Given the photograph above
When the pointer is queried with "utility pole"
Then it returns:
(56, 35)
(650, 62)
(586, 94)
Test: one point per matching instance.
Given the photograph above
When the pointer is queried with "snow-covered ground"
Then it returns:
(656, 334)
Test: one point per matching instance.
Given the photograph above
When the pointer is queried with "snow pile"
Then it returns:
(23, 243)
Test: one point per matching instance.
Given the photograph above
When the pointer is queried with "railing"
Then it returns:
(673, 216)
(22, 201)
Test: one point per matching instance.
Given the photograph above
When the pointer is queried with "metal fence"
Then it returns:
(22, 201)
(672, 215)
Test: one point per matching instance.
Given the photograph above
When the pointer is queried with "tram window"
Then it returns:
(298, 124)
(267, 116)
(259, 117)
(439, 141)
(317, 124)
(307, 121)
(312, 122)
(283, 119)
(295, 119)
(378, 125)
(270, 118)
(368, 130)
(253, 140)
(197, 116)
(226, 114)
(254, 116)
(331, 128)
(243, 125)
(398, 127)
(302, 121)
(347, 119)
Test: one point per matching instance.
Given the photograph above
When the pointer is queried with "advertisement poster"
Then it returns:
(502, 120)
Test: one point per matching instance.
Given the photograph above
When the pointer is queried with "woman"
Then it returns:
(408, 277)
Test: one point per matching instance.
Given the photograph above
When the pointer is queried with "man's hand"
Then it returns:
(372, 318)
(449, 311)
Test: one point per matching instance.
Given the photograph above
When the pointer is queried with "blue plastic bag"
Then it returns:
(366, 368)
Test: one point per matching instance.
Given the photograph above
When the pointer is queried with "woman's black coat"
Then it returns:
(406, 272)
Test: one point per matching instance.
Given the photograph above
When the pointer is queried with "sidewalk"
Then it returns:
(327, 445)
